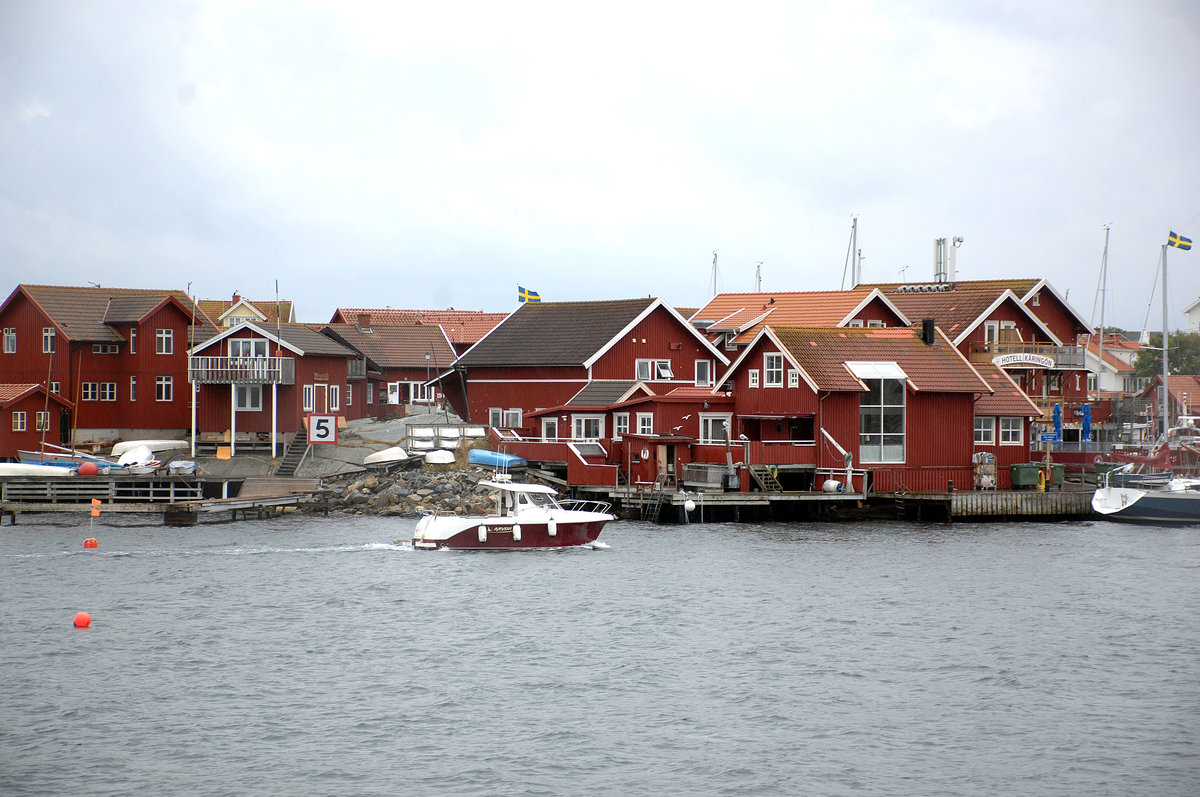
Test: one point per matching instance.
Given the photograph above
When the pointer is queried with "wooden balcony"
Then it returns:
(1061, 358)
(242, 370)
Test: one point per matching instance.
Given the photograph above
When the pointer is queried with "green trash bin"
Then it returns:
(1024, 474)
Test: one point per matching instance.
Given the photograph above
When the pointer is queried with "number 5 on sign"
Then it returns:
(322, 429)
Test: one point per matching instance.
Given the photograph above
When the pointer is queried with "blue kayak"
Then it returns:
(494, 459)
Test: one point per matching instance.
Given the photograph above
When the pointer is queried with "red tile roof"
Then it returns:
(1008, 398)
(746, 313)
(823, 354)
(396, 346)
(460, 326)
(85, 314)
(12, 392)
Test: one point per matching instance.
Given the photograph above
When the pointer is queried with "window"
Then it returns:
(133, 388)
(104, 348)
(249, 398)
(1012, 431)
(651, 370)
(89, 391)
(620, 424)
(370, 392)
(587, 427)
(43, 421)
(512, 418)
(246, 347)
(703, 373)
(495, 416)
(856, 323)
(133, 341)
(712, 428)
(335, 398)
(773, 370)
(108, 391)
(1092, 381)
(54, 387)
(991, 331)
(985, 431)
(549, 429)
(875, 325)
(164, 388)
(164, 341)
(10, 340)
(47, 340)
(881, 421)
(752, 375)
(1036, 299)
(645, 423)
(19, 421)
(309, 398)
(793, 378)
(349, 395)
(1055, 381)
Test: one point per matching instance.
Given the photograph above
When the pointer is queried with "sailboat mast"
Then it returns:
(1103, 289)
(1166, 393)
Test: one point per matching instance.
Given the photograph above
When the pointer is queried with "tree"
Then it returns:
(1184, 356)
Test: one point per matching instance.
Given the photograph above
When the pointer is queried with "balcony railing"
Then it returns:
(242, 370)
(1061, 357)
(357, 369)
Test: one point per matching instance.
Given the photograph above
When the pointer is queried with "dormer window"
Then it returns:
(654, 370)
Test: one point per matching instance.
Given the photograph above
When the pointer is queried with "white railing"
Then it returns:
(242, 370)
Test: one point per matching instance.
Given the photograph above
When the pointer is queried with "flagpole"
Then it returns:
(1166, 371)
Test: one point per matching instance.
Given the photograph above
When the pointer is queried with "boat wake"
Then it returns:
(596, 545)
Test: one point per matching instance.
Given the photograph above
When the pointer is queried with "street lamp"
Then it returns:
(426, 387)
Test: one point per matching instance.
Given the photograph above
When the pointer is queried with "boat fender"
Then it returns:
(552, 527)
(516, 532)
(1041, 481)
(482, 533)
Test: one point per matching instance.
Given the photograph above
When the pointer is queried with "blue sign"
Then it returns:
(1050, 437)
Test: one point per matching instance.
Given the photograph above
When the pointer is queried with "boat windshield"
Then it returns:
(543, 500)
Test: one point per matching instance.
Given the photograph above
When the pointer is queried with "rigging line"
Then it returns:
(849, 246)
(1153, 287)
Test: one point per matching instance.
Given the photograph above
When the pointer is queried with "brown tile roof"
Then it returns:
(953, 311)
(215, 308)
(460, 326)
(84, 314)
(601, 393)
(555, 333)
(1020, 285)
(12, 392)
(823, 354)
(1008, 398)
(300, 336)
(748, 312)
(397, 347)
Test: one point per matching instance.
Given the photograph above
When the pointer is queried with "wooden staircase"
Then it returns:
(766, 479)
(296, 451)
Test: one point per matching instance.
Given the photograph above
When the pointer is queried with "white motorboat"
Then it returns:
(525, 516)
(119, 449)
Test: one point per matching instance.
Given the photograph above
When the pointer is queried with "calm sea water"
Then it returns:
(306, 655)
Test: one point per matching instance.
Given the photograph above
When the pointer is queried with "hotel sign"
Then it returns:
(1039, 360)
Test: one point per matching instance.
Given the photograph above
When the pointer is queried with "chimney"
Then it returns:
(236, 298)
(927, 333)
(364, 322)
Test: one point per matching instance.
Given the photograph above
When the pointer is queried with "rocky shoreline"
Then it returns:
(450, 489)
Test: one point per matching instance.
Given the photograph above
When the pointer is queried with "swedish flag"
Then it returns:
(526, 295)
(1178, 241)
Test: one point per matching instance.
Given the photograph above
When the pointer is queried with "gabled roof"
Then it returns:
(265, 309)
(568, 333)
(396, 347)
(1007, 397)
(88, 314)
(822, 356)
(1177, 385)
(300, 339)
(606, 392)
(11, 394)
(958, 312)
(461, 326)
(745, 313)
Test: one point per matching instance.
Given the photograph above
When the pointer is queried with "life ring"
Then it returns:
(1041, 481)
(645, 453)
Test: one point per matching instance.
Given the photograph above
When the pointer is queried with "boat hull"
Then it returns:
(500, 534)
(1148, 506)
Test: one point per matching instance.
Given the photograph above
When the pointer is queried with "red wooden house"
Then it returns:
(257, 384)
(896, 402)
(463, 328)
(118, 356)
(401, 360)
(543, 354)
(1002, 424)
(30, 415)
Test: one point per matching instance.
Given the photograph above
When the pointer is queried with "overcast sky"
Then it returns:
(437, 155)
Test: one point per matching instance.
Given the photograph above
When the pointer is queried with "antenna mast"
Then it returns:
(758, 277)
(714, 273)
(853, 256)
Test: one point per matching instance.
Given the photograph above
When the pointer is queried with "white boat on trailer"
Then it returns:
(526, 516)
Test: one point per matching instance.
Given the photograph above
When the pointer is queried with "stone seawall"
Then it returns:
(410, 493)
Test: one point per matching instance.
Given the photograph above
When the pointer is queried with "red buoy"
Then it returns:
(91, 542)
(83, 620)
(88, 469)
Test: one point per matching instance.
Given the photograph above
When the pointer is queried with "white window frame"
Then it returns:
(773, 369)
(18, 420)
(48, 340)
(645, 423)
(133, 341)
(349, 395)
(713, 422)
(866, 452)
(42, 420)
(620, 425)
(89, 391)
(991, 331)
(550, 429)
(875, 325)
(248, 347)
(370, 392)
(752, 377)
(985, 430)
(1014, 424)
(856, 323)
(309, 398)
(335, 398)
(10, 340)
(164, 341)
(164, 388)
(55, 387)
(108, 391)
(133, 388)
(496, 417)
(653, 370)
(793, 378)
(513, 418)
(703, 372)
(248, 398)
(580, 422)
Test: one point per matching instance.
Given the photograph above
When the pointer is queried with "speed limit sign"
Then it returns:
(322, 429)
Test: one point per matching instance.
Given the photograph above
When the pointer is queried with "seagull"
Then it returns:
(685, 417)
(743, 437)
(677, 428)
